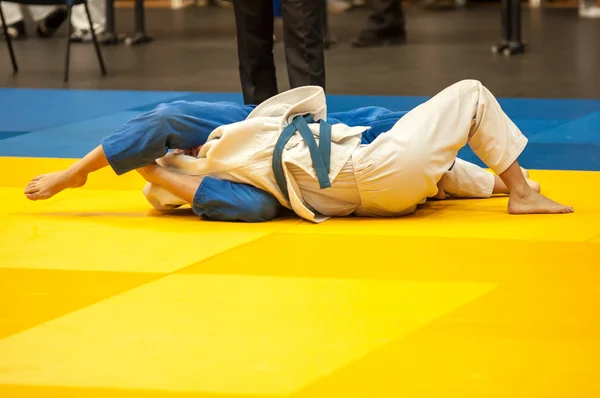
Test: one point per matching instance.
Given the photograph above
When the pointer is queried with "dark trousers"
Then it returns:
(387, 18)
(303, 42)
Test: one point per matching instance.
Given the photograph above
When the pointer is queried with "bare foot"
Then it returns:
(535, 203)
(46, 186)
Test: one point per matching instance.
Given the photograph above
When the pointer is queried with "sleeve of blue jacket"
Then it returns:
(222, 200)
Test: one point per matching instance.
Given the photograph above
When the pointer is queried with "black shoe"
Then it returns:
(78, 35)
(48, 27)
(329, 40)
(373, 39)
(16, 31)
(85, 35)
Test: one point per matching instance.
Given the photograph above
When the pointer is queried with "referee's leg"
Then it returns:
(254, 24)
(303, 31)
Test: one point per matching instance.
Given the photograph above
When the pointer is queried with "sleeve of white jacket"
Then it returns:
(161, 199)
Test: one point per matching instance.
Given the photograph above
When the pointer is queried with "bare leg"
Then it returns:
(501, 188)
(467, 180)
(47, 185)
(523, 199)
(182, 185)
(524, 196)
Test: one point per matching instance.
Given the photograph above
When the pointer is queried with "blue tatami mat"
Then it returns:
(36, 109)
(585, 130)
(8, 134)
(551, 156)
(72, 140)
(564, 134)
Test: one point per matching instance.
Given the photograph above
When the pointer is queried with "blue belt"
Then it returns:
(320, 155)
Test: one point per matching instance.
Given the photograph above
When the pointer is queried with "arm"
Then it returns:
(215, 199)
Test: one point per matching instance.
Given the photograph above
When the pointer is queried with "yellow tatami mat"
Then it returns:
(100, 296)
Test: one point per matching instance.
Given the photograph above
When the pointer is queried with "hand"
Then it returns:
(441, 194)
(189, 152)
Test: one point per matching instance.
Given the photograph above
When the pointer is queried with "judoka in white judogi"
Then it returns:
(386, 178)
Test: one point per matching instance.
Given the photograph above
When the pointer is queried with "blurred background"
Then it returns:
(194, 49)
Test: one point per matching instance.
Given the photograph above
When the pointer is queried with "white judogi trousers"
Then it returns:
(14, 14)
(465, 180)
(97, 12)
(401, 168)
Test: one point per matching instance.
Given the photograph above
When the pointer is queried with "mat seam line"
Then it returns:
(592, 238)
(235, 247)
(159, 277)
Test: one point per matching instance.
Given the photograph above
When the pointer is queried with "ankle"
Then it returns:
(75, 173)
(522, 192)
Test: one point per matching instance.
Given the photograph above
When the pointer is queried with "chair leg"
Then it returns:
(9, 43)
(68, 56)
(96, 45)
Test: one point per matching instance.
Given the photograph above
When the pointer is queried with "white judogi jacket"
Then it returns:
(243, 151)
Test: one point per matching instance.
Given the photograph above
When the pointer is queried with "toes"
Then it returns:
(38, 177)
(31, 188)
(31, 196)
